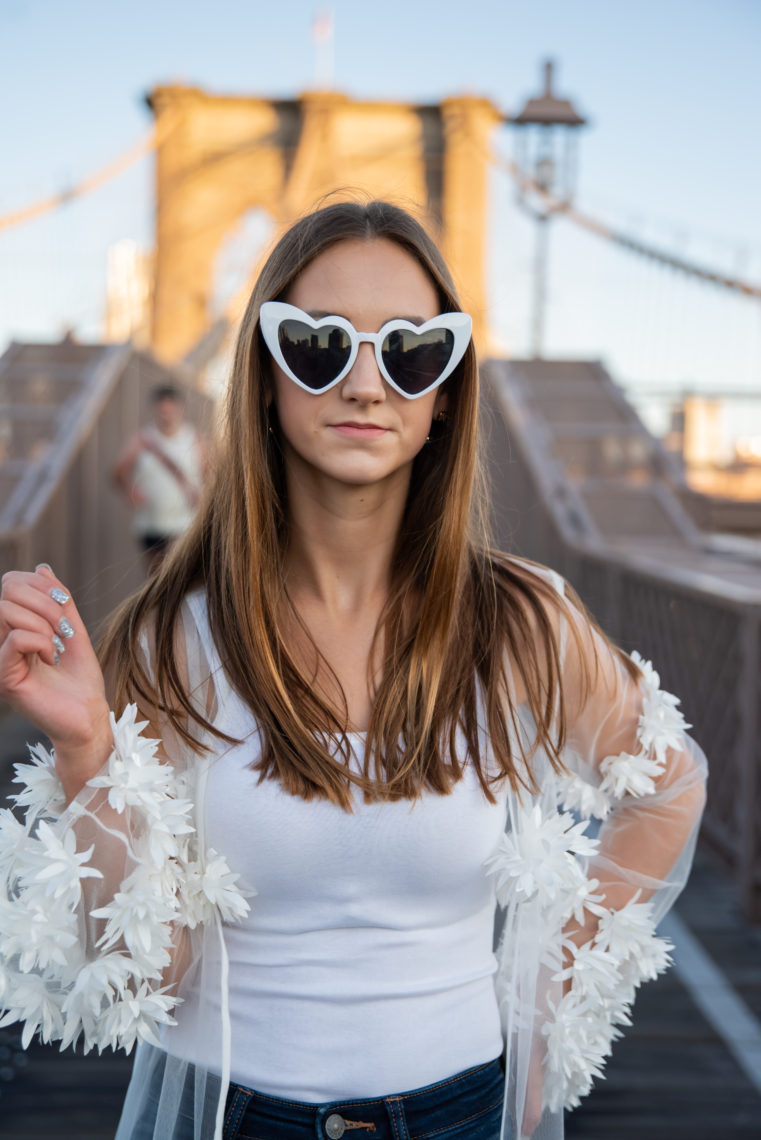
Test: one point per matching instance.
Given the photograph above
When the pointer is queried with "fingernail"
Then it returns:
(58, 645)
(66, 628)
(44, 566)
(59, 596)
(56, 659)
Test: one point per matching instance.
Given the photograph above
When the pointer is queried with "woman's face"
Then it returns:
(361, 431)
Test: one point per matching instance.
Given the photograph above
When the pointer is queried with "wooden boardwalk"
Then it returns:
(671, 1077)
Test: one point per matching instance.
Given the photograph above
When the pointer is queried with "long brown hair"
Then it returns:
(456, 610)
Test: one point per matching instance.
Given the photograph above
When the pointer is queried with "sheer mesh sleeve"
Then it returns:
(101, 899)
(586, 869)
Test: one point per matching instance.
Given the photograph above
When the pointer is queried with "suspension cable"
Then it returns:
(143, 146)
(554, 205)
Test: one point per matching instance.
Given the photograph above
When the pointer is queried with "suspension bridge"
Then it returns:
(579, 481)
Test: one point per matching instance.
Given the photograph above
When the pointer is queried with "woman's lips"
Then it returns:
(360, 431)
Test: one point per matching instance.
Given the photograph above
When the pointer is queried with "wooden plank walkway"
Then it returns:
(671, 1077)
(62, 1095)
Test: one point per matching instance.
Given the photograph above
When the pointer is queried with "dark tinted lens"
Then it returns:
(316, 356)
(416, 360)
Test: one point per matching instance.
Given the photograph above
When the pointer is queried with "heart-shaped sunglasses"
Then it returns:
(317, 354)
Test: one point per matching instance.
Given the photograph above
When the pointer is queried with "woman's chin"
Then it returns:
(357, 470)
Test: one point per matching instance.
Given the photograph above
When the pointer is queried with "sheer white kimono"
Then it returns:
(113, 912)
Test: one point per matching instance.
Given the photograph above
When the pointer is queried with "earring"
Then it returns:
(442, 416)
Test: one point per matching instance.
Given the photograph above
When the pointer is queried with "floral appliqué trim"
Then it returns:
(107, 991)
(541, 864)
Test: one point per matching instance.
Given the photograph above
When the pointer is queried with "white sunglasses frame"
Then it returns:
(272, 313)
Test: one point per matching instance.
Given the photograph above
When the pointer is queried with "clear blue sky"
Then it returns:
(672, 89)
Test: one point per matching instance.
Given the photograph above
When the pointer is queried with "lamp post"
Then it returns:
(546, 163)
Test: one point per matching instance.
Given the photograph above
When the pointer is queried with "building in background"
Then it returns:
(716, 461)
(129, 294)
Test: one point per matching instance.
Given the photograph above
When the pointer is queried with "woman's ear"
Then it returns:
(441, 403)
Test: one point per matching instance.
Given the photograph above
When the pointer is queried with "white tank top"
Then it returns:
(365, 966)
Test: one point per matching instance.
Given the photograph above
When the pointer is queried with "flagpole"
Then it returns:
(322, 34)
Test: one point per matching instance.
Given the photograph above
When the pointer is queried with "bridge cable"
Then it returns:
(111, 170)
(555, 205)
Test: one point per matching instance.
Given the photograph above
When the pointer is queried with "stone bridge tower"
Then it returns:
(219, 157)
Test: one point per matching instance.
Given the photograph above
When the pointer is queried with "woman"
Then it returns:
(360, 711)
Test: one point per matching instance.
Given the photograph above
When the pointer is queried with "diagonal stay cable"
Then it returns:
(552, 204)
(106, 173)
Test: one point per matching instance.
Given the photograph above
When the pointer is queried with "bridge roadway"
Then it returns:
(683, 1071)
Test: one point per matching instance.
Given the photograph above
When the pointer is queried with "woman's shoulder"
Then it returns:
(528, 582)
(531, 570)
(196, 605)
(189, 618)
(185, 638)
(195, 619)
(554, 619)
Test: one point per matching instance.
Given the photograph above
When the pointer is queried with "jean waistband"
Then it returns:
(461, 1097)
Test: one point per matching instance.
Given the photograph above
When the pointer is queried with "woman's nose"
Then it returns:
(364, 381)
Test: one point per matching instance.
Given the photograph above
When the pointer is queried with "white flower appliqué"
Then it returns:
(537, 860)
(135, 777)
(542, 861)
(208, 885)
(660, 727)
(586, 799)
(108, 990)
(63, 866)
(660, 723)
(42, 793)
(630, 775)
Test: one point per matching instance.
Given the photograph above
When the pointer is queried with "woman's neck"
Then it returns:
(342, 540)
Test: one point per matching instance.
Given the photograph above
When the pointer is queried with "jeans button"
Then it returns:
(335, 1127)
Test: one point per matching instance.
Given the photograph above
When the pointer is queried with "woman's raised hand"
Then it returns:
(50, 674)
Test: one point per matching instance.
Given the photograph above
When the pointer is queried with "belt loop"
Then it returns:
(236, 1111)
(396, 1115)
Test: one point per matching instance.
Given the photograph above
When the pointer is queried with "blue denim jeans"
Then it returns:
(467, 1106)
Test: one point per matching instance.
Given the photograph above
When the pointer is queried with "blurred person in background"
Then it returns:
(161, 472)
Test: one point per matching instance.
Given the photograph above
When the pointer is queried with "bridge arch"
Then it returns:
(220, 157)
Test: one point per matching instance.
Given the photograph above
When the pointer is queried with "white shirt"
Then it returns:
(94, 900)
(366, 963)
(166, 511)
